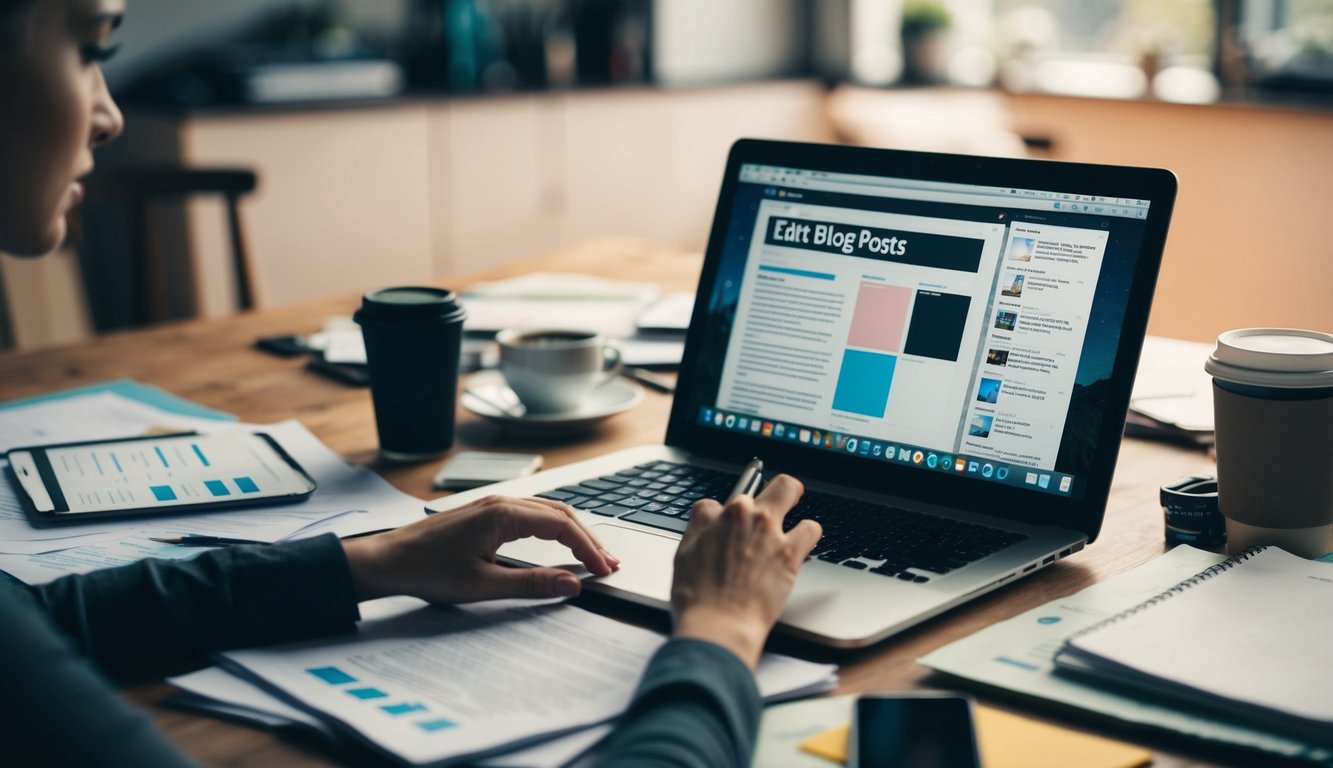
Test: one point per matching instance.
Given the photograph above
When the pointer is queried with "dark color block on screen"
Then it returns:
(937, 325)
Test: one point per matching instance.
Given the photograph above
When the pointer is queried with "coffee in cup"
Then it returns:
(554, 370)
(1273, 413)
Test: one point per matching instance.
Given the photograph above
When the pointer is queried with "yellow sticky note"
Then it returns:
(1010, 741)
(830, 745)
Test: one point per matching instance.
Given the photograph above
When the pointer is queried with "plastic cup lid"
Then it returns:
(1274, 357)
(409, 303)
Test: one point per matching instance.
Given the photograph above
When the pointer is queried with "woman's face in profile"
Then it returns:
(54, 108)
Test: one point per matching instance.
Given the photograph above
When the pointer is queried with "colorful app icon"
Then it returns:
(1031, 478)
(743, 423)
(905, 454)
(987, 469)
(779, 430)
(917, 457)
(805, 435)
(959, 464)
(865, 447)
(972, 467)
(731, 420)
(946, 463)
(828, 440)
(1044, 481)
(817, 438)
(888, 451)
(1002, 473)
(877, 450)
(1065, 483)
(708, 415)
(840, 441)
(717, 419)
(768, 429)
(851, 445)
(755, 425)
(932, 461)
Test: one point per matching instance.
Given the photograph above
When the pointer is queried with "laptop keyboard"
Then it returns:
(910, 546)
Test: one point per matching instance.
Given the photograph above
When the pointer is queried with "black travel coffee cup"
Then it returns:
(413, 338)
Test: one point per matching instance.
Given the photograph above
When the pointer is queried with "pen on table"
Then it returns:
(749, 480)
(204, 541)
(649, 379)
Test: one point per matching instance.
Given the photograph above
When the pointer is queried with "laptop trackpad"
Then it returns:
(645, 558)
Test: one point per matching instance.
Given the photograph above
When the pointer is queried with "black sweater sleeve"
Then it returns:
(696, 707)
(158, 617)
(150, 618)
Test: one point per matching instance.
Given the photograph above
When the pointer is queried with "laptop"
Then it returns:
(940, 347)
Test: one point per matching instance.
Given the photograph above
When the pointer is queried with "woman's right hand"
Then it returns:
(735, 568)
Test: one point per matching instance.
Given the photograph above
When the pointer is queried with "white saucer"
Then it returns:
(487, 395)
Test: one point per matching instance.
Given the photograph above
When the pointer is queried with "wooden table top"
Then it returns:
(214, 363)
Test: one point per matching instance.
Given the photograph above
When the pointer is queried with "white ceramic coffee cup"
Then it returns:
(553, 370)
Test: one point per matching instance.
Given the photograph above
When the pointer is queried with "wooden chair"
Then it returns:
(140, 188)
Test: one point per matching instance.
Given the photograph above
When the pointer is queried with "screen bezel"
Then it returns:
(47, 477)
(1036, 507)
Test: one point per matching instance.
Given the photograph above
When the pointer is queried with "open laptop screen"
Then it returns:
(943, 327)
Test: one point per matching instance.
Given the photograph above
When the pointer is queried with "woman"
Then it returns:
(60, 642)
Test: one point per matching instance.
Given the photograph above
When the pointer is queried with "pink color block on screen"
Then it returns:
(879, 317)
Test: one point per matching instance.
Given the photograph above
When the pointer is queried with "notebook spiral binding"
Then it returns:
(1199, 578)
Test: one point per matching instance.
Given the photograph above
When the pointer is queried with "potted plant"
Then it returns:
(923, 27)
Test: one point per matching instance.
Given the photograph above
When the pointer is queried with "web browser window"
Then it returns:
(957, 328)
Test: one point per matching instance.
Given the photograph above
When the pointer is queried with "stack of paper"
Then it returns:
(1018, 655)
(439, 685)
(1173, 395)
(350, 499)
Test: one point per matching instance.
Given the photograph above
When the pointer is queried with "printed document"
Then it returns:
(443, 684)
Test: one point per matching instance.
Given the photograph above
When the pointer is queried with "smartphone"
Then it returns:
(913, 730)
(155, 475)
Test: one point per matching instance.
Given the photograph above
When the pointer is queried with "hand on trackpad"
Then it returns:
(645, 558)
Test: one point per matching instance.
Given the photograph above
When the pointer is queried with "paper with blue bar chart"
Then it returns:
(440, 685)
(173, 471)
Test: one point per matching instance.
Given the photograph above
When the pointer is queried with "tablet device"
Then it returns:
(155, 475)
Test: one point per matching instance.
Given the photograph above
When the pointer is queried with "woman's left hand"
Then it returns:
(450, 556)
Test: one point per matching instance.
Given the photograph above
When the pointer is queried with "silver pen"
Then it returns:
(748, 482)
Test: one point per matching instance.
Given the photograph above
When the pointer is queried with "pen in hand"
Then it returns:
(204, 541)
(750, 478)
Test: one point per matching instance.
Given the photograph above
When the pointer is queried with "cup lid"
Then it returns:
(409, 303)
(1274, 357)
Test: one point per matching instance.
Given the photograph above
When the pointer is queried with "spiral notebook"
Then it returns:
(1251, 637)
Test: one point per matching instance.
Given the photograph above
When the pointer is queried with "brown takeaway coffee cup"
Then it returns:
(1273, 412)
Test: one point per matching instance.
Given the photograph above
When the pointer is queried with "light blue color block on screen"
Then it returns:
(863, 383)
(331, 675)
(245, 484)
(431, 726)
(368, 693)
(217, 487)
(163, 492)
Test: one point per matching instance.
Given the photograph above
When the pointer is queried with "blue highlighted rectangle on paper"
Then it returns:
(863, 383)
(431, 726)
(245, 484)
(162, 457)
(200, 453)
(367, 693)
(406, 708)
(217, 487)
(163, 492)
(331, 675)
